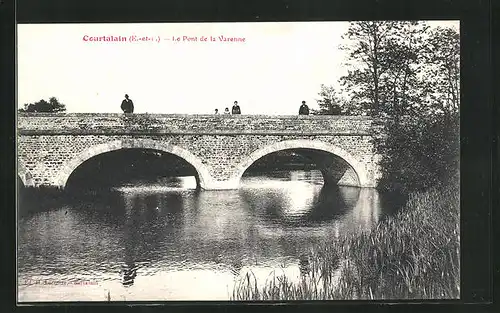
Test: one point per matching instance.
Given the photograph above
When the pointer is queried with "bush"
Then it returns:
(419, 152)
(53, 105)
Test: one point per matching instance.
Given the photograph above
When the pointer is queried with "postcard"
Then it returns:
(238, 161)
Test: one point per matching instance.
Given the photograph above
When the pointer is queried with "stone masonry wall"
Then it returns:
(48, 142)
(83, 123)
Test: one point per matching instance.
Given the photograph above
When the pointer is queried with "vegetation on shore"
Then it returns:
(414, 254)
(408, 74)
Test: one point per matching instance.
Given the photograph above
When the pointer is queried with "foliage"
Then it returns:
(442, 64)
(414, 254)
(53, 105)
(407, 73)
(330, 102)
(419, 152)
(384, 59)
(397, 68)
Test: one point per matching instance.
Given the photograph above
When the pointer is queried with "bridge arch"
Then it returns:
(70, 166)
(358, 167)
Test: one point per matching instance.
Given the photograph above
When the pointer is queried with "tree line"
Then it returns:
(396, 68)
(409, 74)
(43, 106)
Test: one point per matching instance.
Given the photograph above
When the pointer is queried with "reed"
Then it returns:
(414, 254)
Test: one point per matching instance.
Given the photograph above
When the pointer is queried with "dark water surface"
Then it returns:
(171, 242)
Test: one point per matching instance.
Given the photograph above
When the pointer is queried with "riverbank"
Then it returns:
(414, 254)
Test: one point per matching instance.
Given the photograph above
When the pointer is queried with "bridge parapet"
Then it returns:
(90, 123)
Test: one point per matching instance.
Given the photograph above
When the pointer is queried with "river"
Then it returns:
(169, 241)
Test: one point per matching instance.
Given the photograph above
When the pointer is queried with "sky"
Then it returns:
(271, 72)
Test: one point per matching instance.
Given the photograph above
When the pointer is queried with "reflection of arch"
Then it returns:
(304, 144)
(69, 167)
(24, 174)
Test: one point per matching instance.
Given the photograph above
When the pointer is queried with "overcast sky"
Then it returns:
(278, 66)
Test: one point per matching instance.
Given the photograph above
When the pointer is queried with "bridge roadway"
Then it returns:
(51, 146)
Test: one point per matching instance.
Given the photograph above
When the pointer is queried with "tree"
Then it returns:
(402, 86)
(442, 57)
(329, 103)
(367, 61)
(53, 105)
(383, 57)
(406, 71)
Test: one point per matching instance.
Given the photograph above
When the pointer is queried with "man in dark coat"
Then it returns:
(304, 109)
(127, 105)
(236, 108)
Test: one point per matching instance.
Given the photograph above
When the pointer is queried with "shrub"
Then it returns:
(419, 152)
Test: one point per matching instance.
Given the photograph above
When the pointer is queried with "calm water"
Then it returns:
(170, 242)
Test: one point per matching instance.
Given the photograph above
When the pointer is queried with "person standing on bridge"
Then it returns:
(236, 108)
(127, 105)
(304, 109)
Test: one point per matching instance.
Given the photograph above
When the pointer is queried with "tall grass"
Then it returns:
(414, 254)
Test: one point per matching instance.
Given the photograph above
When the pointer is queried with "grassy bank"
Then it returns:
(411, 255)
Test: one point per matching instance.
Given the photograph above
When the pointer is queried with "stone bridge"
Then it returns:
(51, 146)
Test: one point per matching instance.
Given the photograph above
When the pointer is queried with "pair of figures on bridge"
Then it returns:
(234, 110)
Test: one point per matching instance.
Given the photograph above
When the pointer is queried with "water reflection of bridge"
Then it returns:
(202, 238)
(232, 229)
